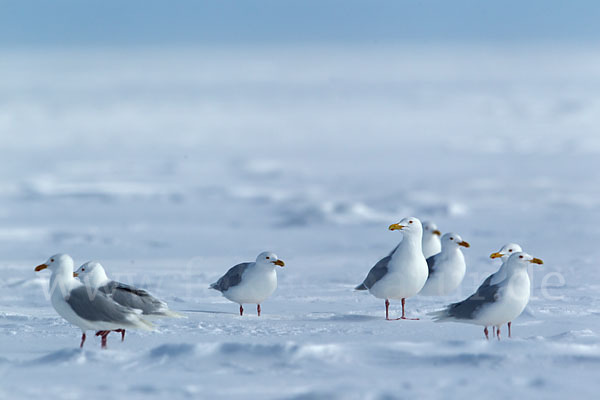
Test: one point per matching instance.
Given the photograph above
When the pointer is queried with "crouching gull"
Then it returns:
(495, 304)
(447, 268)
(89, 311)
(402, 273)
(250, 282)
(93, 275)
(498, 276)
(431, 239)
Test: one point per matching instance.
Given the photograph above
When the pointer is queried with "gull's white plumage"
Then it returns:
(250, 283)
(403, 273)
(447, 268)
(83, 308)
(495, 304)
(431, 239)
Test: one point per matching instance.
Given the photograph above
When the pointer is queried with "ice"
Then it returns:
(171, 165)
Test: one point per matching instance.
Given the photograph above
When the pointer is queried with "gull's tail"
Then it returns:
(362, 286)
(440, 315)
(139, 323)
(170, 314)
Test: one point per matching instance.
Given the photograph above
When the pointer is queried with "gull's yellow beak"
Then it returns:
(436, 232)
(279, 262)
(40, 267)
(496, 255)
(536, 261)
(396, 227)
(463, 243)
(75, 274)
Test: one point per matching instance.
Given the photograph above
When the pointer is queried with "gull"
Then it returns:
(250, 282)
(93, 275)
(504, 253)
(447, 268)
(403, 272)
(88, 311)
(495, 304)
(431, 239)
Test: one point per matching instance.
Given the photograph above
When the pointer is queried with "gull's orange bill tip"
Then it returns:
(465, 244)
(75, 274)
(536, 261)
(279, 262)
(436, 232)
(395, 227)
(40, 267)
(496, 255)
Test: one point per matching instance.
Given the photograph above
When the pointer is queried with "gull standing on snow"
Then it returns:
(431, 239)
(403, 273)
(447, 268)
(495, 304)
(74, 302)
(93, 275)
(498, 276)
(250, 282)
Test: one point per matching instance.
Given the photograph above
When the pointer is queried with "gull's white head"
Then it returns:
(409, 226)
(452, 241)
(92, 274)
(266, 257)
(57, 263)
(430, 228)
(506, 251)
(521, 260)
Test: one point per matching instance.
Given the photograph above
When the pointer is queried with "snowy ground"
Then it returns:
(170, 166)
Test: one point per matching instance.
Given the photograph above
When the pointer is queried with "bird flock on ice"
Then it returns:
(422, 263)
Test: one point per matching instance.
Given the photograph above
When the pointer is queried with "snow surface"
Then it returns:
(169, 166)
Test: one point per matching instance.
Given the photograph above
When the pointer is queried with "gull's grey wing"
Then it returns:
(375, 274)
(96, 306)
(231, 278)
(468, 308)
(133, 297)
(431, 264)
(485, 283)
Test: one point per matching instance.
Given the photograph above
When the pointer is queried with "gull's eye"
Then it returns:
(451, 238)
(410, 222)
(520, 256)
(510, 251)
(52, 260)
(268, 258)
(82, 269)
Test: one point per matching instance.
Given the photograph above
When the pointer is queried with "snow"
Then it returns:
(169, 166)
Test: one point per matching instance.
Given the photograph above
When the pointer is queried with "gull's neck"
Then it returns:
(61, 280)
(97, 278)
(410, 244)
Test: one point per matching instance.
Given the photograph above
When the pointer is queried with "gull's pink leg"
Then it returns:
(82, 340)
(404, 316)
(485, 330)
(509, 335)
(122, 332)
(258, 309)
(498, 332)
(103, 335)
(241, 310)
(387, 311)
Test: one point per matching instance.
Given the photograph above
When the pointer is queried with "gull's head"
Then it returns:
(408, 226)
(506, 251)
(91, 273)
(453, 240)
(522, 260)
(57, 262)
(430, 228)
(267, 257)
